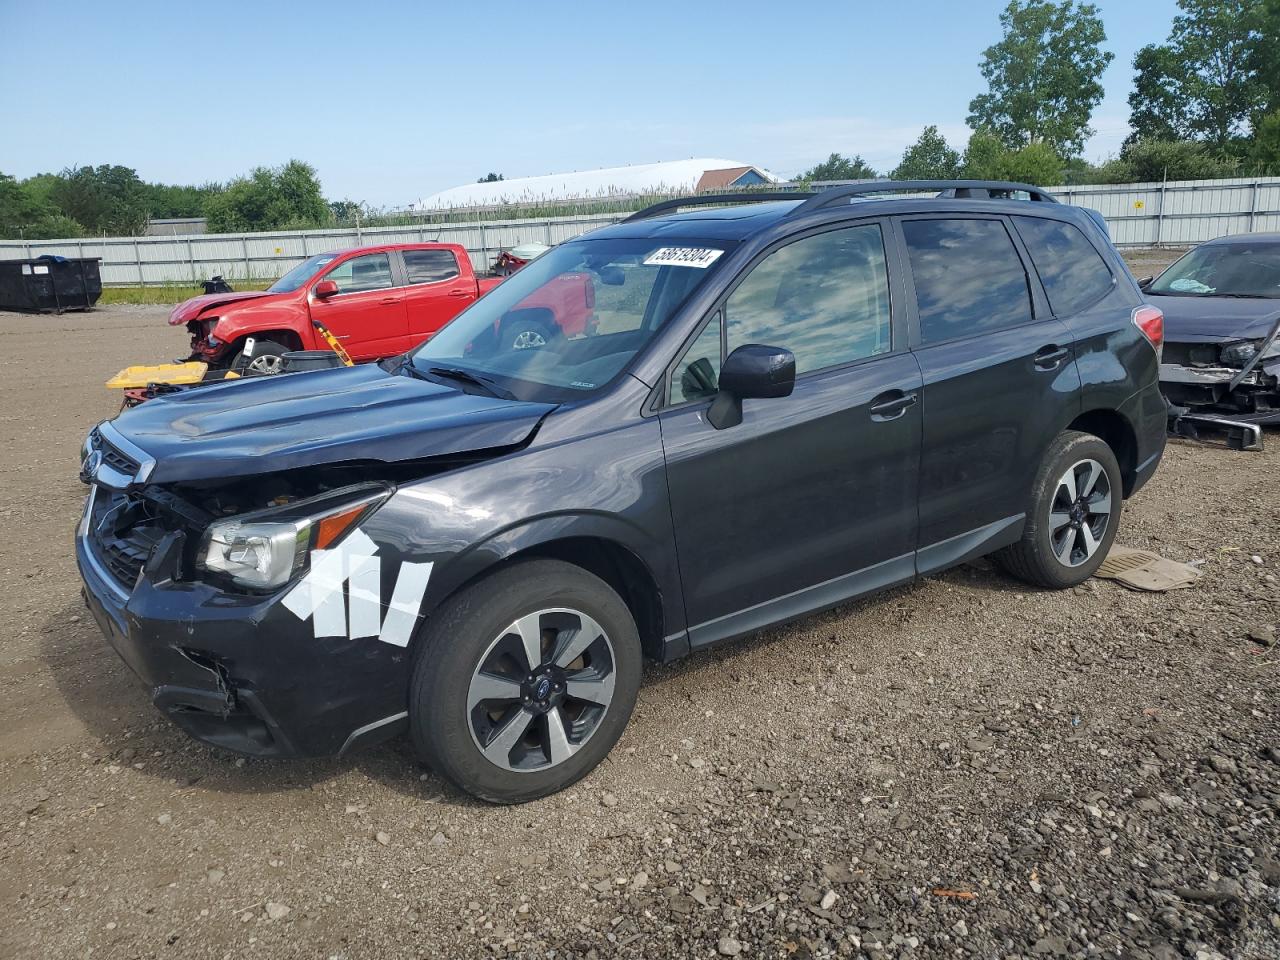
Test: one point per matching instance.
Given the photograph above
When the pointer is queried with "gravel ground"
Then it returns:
(964, 767)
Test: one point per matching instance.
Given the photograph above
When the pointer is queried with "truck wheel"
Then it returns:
(1074, 515)
(524, 681)
(527, 330)
(267, 359)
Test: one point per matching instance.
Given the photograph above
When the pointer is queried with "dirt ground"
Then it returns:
(963, 767)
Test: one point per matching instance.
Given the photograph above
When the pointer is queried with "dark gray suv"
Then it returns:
(778, 405)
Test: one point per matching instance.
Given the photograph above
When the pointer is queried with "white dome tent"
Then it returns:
(696, 175)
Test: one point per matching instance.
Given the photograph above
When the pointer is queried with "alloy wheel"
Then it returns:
(1079, 513)
(267, 364)
(541, 689)
(528, 340)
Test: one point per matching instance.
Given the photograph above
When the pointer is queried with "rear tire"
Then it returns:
(1073, 517)
(509, 731)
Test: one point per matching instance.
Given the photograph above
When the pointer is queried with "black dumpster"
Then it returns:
(50, 284)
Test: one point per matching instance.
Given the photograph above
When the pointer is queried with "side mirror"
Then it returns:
(751, 371)
(1145, 282)
(325, 289)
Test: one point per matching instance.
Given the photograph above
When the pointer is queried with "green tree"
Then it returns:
(105, 199)
(491, 178)
(1043, 76)
(1264, 153)
(1036, 163)
(929, 158)
(27, 214)
(982, 156)
(1264, 59)
(1150, 161)
(269, 198)
(165, 200)
(836, 167)
(1203, 82)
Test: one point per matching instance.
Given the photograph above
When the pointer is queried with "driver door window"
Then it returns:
(824, 297)
(369, 272)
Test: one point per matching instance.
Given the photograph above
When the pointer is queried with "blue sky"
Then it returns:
(393, 101)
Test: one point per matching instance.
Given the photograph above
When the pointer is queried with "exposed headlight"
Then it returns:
(1238, 354)
(264, 550)
(256, 554)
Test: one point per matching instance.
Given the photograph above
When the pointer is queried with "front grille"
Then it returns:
(117, 460)
(122, 534)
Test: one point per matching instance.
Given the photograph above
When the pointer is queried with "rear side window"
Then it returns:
(1073, 272)
(430, 266)
(968, 278)
(825, 298)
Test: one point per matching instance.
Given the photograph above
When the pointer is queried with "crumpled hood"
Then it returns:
(190, 309)
(264, 424)
(1216, 319)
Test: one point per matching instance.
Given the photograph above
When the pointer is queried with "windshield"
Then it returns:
(300, 274)
(572, 320)
(1223, 270)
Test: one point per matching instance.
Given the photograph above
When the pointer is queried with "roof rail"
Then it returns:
(985, 189)
(709, 198)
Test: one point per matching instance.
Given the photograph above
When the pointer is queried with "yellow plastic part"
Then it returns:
(175, 373)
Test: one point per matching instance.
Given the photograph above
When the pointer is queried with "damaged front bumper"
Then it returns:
(237, 671)
(1251, 396)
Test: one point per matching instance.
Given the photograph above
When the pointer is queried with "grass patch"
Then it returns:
(168, 292)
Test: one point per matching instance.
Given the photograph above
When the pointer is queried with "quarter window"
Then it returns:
(372, 271)
(1072, 271)
(825, 298)
(697, 375)
(430, 266)
(968, 278)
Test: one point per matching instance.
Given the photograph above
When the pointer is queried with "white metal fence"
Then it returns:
(266, 256)
(1181, 212)
(1176, 213)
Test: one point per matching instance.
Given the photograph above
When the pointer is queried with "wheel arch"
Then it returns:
(1115, 430)
(604, 552)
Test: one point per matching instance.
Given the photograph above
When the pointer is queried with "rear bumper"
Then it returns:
(242, 673)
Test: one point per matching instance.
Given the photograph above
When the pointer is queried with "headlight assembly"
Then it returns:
(263, 550)
(1238, 354)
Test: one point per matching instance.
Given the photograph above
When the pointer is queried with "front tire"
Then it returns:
(1074, 514)
(524, 681)
(267, 360)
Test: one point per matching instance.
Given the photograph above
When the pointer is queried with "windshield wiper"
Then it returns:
(1246, 296)
(466, 376)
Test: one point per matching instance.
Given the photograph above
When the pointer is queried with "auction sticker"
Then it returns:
(697, 257)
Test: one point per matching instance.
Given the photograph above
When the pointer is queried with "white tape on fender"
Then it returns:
(352, 572)
(406, 601)
(364, 587)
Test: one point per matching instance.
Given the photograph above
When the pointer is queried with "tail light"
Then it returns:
(1150, 320)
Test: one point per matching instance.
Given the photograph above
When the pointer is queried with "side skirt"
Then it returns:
(822, 596)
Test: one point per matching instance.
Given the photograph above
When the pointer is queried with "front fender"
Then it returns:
(251, 321)
(467, 521)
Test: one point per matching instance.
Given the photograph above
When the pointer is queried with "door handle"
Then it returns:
(459, 293)
(891, 405)
(1050, 357)
(390, 300)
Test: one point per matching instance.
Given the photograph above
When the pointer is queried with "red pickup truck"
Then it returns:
(379, 301)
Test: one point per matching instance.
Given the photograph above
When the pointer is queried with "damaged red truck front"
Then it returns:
(378, 301)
